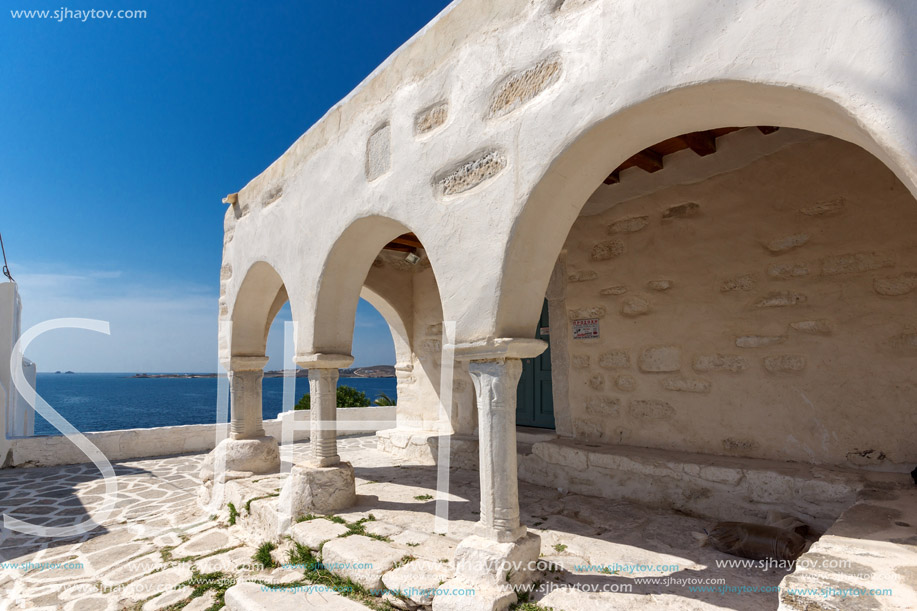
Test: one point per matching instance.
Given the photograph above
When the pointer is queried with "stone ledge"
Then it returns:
(251, 597)
(719, 487)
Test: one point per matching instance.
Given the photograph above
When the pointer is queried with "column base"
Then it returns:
(312, 489)
(244, 457)
(492, 563)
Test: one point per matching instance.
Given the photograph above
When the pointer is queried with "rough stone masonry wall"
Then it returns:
(419, 371)
(767, 312)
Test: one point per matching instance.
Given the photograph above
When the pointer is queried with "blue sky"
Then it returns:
(120, 137)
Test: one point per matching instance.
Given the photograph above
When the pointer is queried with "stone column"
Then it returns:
(500, 552)
(322, 484)
(495, 385)
(247, 450)
(323, 417)
(245, 376)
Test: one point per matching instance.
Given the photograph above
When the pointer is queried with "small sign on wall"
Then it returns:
(587, 328)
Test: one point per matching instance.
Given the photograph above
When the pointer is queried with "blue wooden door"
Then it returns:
(534, 401)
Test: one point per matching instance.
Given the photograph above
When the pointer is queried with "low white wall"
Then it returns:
(162, 441)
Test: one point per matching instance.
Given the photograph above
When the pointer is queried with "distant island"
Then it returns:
(376, 371)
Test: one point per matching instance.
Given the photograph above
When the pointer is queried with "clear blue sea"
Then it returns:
(112, 401)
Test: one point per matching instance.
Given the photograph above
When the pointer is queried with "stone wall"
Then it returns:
(412, 294)
(763, 312)
(52, 450)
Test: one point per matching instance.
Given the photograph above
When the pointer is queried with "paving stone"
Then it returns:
(313, 533)
(381, 529)
(133, 569)
(96, 602)
(201, 603)
(204, 543)
(250, 597)
(417, 581)
(361, 559)
(167, 599)
(461, 595)
(161, 582)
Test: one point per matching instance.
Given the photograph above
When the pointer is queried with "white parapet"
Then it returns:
(45, 451)
(17, 418)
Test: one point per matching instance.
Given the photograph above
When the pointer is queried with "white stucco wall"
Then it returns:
(535, 103)
(774, 319)
(17, 418)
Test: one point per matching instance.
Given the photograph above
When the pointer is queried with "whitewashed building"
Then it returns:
(676, 241)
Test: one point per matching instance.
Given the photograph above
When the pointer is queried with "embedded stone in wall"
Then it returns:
(784, 363)
(827, 208)
(864, 458)
(378, 152)
(731, 363)
(271, 195)
(635, 306)
(894, 286)
(785, 271)
(584, 428)
(787, 243)
(613, 290)
(224, 308)
(582, 276)
(520, 88)
(608, 407)
(903, 344)
(435, 330)
(615, 359)
(593, 312)
(759, 341)
(855, 262)
(813, 327)
(659, 285)
(597, 381)
(743, 282)
(686, 385)
(625, 382)
(471, 172)
(563, 5)
(580, 361)
(739, 445)
(431, 346)
(650, 409)
(660, 359)
(607, 250)
(682, 211)
(780, 299)
(226, 271)
(430, 118)
(629, 225)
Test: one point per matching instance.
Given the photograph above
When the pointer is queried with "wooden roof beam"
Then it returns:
(702, 143)
(648, 160)
(408, 239)
(398, 247)
(767, 129)
(613, 178)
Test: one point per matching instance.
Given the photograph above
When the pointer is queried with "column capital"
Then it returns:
(498, 348)
(323, 360)
(247, 363)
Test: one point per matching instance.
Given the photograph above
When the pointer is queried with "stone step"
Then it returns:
(254, 597)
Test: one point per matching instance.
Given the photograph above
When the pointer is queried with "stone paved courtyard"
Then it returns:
(159, 540)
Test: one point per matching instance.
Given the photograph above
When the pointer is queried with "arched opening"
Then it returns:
(383, 262)
(581, 163)
(259, 298)
(732, 327)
